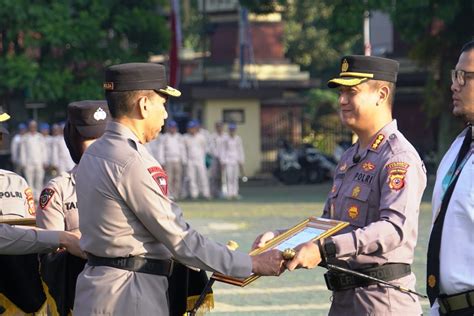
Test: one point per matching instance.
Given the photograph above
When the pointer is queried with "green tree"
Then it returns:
(55, 51)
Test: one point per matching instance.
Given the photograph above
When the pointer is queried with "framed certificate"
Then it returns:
(26, 221)
(313, 228)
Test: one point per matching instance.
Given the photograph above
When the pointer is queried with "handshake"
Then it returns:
(273, 261)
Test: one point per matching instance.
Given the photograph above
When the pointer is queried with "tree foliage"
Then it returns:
(55, 51)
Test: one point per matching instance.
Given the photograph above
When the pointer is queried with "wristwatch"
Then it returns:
(329, 248)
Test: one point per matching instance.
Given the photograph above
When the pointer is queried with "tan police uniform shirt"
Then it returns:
(58, 204)
(380, 197)
(124, 211)
(16, 197)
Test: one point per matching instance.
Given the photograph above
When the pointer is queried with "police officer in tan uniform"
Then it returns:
(130, 229)
(24, 240)
(378, 185)
(58, 202)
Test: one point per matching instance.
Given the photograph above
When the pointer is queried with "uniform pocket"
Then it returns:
(356, 205)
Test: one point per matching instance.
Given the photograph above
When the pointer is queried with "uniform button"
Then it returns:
(392, 136)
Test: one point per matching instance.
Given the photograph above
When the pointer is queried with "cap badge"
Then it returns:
(100, 114)
(345, 65)
(108, 86)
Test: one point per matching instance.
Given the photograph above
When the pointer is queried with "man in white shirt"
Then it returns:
(232, 160)
(33, 157)
(61, 159)
(216, 148)
(15, 147)
(450, 273)
(173, 156)
(196, 147)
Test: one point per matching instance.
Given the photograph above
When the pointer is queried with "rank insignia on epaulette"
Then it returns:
(377, 141)
(368, 166)
(353, 212)
(45, 197)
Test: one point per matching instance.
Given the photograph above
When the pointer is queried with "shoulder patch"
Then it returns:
(31, 201)
(396, 175)
(160, 177)
(45, 197)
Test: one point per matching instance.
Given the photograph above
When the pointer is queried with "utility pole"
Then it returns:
(367, 46)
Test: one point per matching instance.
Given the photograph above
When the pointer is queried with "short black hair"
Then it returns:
(468, 46)
(121, 102)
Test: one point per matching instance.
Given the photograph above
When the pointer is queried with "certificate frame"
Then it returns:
(327, 226)
(25, 221)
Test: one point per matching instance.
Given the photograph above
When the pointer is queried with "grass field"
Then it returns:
(267, 206)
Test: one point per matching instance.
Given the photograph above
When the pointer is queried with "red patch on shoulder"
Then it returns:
(45, 197)
(31, 201)
(160, 177)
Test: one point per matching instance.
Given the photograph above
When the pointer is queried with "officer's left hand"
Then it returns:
(307, 256)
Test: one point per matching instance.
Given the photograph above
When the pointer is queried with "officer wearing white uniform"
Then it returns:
(216, 149)
(173, 155)
(232, 160)
(15, 147)
(196, 146)
(33, 157)
(130, 228)
(450, 264)
(61, 160)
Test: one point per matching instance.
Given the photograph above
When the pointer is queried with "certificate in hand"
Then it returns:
(313, 228)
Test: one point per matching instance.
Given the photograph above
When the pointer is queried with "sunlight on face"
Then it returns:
(357, 105)
(157, 117)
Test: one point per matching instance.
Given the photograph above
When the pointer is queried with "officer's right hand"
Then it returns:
(262, 239)
(307, 256)
(268, 263)
(70, 241)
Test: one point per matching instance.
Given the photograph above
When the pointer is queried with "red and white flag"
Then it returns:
(175, 44)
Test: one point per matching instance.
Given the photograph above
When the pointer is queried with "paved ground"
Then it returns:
(268, 206)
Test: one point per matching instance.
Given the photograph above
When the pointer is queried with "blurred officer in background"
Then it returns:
(130, 229)
(216, 149)
(450, 264)
(378, 186)
(33, 157)
(232, 161)
(196, 147)
(173, 156)
(15, 148)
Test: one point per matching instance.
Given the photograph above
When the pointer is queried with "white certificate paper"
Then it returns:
(303, 236)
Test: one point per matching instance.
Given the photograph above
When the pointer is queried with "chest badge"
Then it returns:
(355, 191)
(368, 166)
(353, 212)
(333, 189)
(431, 281)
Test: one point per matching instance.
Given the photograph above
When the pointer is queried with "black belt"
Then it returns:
(338, 281)
(455, 302)
(136, 264)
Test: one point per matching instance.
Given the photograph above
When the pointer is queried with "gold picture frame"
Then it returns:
(312, 228)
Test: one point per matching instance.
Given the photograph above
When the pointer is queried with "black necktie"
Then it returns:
(435, 237)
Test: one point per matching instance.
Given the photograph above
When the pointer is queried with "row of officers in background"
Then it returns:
(200, 163)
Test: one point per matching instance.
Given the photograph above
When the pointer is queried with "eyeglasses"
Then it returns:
(460, 76)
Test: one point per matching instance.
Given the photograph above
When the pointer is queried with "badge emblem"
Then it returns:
(31, 201)
(100, 115)
(355, 191)
(377, 141)
(431, 281)
(368, 166)
(160, 177)
(353, 212)
(333, 189)
(396, 175)
(344, 65)
(108, 86)
(45, 197)
(343, 167)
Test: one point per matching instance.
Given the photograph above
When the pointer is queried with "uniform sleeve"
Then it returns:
(50, 210)
(402, 182)
(23, 240)
(165, 221)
